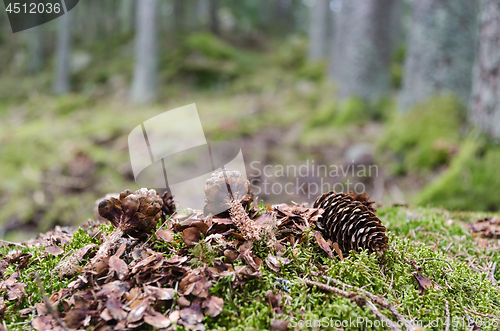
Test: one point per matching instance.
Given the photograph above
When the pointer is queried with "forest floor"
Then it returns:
(437, 270)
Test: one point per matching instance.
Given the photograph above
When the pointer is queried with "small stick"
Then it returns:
(378, 300)
(353, 296)
(413, 263)
(390, 324)
(48, 304)
(12, 243)
(448, 317)
(439, 259)
(481, 314)
(492, 273)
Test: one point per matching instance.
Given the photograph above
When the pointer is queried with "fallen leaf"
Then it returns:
(279, 325)
(165, 235)
(323, 244)
(191, 236)
(54, 250)
(156, 319)
(118, 266)
(424, 283)
(214, 305)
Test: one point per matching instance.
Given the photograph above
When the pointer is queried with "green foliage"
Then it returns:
(210, 46)
(426, 136)
(291, 53)
(352, 111)
(397, 66)
(471, 181)
(435, 239)
(314, 71)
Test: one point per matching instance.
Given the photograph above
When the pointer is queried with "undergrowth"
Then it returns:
(436, 239)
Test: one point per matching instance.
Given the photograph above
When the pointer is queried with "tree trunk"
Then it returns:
(126, 15)
(214, 19)
(144, 82)
(318, 29)
(63, 54)
(440, 51)
(36, 51)
(202, 12)
(362, 48)
(485, 98)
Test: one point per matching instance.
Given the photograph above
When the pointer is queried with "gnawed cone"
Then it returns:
(135, 214)
(229, 190)
(350, 223)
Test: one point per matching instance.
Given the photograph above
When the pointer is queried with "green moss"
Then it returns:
(397, 66)
(427, 135)
(443, 249)
(471, 181)
(42, 263)
(352, 111)
(210, 46)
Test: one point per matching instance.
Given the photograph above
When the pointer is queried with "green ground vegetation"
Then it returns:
(436, 239)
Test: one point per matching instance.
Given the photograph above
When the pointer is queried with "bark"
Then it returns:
(319, 29)
(362, 49)
(63, 54)
(441, 50)
(126, 15)
(485, 98)
(214, 19)
(36, 50)
(202, 12)
(145, 73)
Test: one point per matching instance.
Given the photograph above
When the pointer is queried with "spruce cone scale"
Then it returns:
(351, 223)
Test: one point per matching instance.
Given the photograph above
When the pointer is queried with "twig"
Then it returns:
(492, 273)
(378, 300)
(12, 243)
(48, 304)
(358, 299)
(413, 263)
(390, 324)
(448, 317)
(439, 259)
(481, 314)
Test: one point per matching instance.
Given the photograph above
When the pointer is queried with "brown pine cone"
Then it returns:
(136, 214)
(350, 224)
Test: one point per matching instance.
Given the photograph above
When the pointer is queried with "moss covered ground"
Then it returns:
(436, 239)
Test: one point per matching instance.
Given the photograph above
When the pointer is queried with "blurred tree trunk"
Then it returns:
(144, 82)
(61, 83)
(179, 17)
(214, 18)
(441, 50)
(318, 29)
(485, 98)
(362, 48)
(36, 51)
(126, 15)
(202, 12)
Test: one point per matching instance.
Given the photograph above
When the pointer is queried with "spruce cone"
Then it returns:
(228, 190)
(350, 223)
(136, 214)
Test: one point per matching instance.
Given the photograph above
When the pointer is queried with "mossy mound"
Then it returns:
(471, 181)
(434, 239)
(427, 136)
